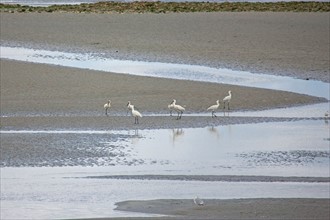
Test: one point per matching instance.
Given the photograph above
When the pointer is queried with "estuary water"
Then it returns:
(86, 186)
(63, 174)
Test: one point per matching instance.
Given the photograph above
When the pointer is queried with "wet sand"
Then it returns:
(234, 208)
(278, 43)
(294, 44)
(229, 209)
(29, 89)
(37, 96)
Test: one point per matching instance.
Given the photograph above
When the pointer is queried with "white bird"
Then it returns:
(107, 106)
(170, 107)
(178, 108)
(227, 99)
(129, 107)
(213, 108)
(136, 115)
(198, 201)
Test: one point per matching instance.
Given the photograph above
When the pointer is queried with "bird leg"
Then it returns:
(179, 115)
(106, 112)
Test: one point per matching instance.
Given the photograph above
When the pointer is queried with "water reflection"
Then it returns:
(242, 148)
(226, 113)
(176, 134)
(134, 136)
(214, 131)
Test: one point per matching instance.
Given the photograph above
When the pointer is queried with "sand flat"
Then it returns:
(294, 44)
(39, 88)
(234, 208)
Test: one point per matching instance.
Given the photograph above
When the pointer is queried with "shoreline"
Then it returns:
(54, 90)
(119, 123)
(282, 43)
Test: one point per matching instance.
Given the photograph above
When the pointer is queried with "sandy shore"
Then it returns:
(277, 43)
(35, 89)
(294, 44)
(68, 98)
(234, 209)
(230, 209)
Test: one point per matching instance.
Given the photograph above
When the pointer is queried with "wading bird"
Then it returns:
(213, 108)
(170, 107)
(227, 99)
(178, 108)
(136, 115)
(129, 107)
(107, 106)
(198, 201)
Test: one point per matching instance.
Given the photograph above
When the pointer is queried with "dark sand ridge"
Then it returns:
(234, 208)
(275, 208)
(295, 44)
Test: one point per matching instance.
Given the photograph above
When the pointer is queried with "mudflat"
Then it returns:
(234, 208)
(28, 88)
(285, 43)
(293, 44)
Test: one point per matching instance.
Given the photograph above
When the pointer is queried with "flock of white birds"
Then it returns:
(173, 106)
(179, 109)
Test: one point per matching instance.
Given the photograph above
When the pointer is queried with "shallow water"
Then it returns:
(44, 193)
(53, 184)
(168, 70)
(285, 149)
(299, 148)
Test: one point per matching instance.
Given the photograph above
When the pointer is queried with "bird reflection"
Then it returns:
(326, 118)
(135, 136)
(176, 133)
(214, 131)
(226, 113)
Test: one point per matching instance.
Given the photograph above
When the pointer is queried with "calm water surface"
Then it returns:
(281, 149)
(60, 190)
